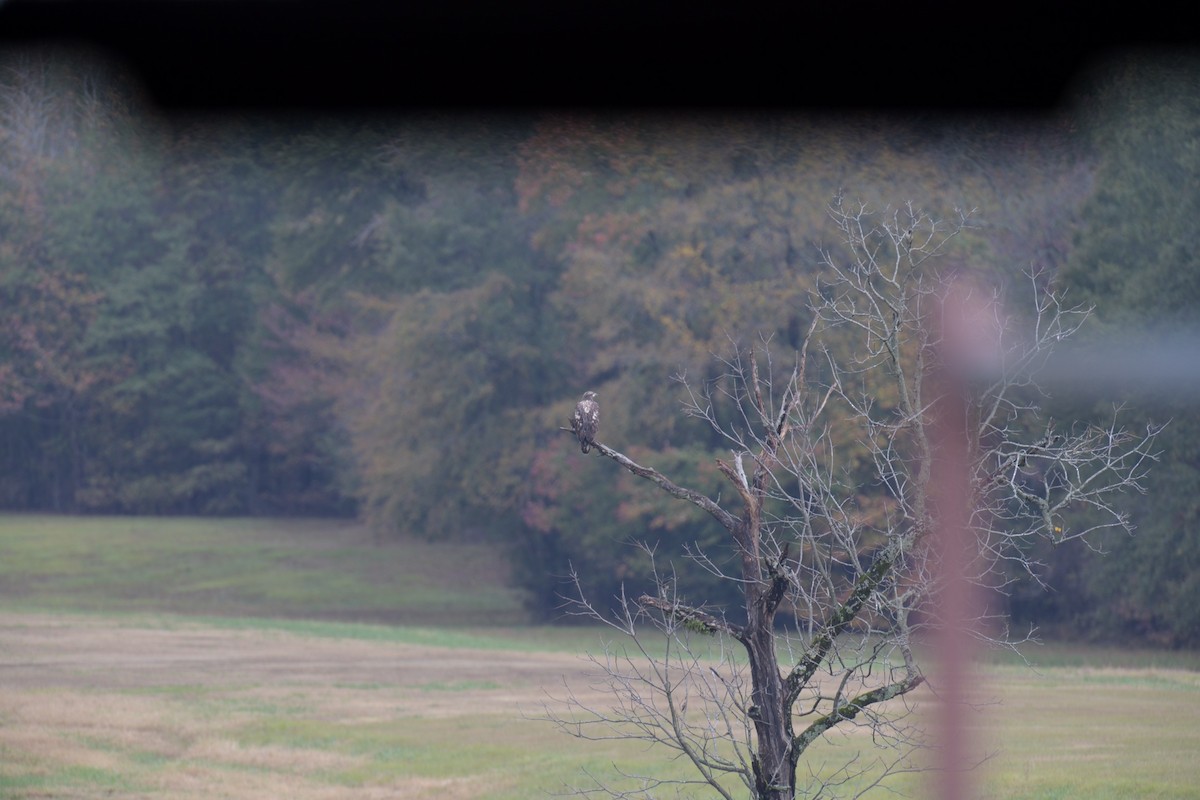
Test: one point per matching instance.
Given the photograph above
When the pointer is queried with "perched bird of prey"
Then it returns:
(586, 420)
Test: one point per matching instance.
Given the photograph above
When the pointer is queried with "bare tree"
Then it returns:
(833, 461)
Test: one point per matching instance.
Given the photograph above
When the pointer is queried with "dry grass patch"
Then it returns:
(165, 712)
(96, 707)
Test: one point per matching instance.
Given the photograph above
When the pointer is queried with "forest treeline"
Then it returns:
(392, 317)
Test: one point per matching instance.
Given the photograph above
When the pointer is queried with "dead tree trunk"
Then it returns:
(774, 765)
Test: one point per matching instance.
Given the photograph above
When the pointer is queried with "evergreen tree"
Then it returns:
(1138, 261)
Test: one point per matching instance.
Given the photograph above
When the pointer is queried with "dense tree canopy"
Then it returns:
(392, 316)
(1137, 260)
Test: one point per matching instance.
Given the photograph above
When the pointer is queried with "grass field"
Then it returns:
(299, 569)
(277, 683)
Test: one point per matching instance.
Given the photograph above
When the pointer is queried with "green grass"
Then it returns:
(298, 569)
(1094, 733)
(515, 758)
(1062, 654)
(1087, 722)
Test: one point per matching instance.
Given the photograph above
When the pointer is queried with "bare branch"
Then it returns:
(727, 520)
(693, 618)
(852, 709)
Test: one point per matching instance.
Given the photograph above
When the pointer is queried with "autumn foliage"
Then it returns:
(392, 317)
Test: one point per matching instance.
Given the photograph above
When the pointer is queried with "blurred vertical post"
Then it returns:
(966, 345)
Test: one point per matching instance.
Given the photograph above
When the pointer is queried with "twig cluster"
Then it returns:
(830, 458)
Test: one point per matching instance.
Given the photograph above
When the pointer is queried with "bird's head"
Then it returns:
(589, 395)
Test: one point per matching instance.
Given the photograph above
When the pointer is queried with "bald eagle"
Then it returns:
(586, 420)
